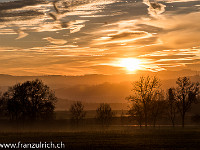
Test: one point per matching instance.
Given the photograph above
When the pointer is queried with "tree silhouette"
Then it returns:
(2, 105)
(172, 107)
(136, 112)
(157, 106)
(143, 93)
(104, 113)
(186, 94)
(77, 112)
(30, 100)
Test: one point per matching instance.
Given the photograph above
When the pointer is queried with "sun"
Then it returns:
(131, 64)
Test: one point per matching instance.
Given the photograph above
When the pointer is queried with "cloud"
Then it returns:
(76, 25)
(5, 31)
(21, 34)
(55, 41)
(42, 15)
(177, 1)
(179, 31)
(74, 38)
(12, 10)
(122, 37)
(171, 58)
(155, 8)
(19, 4)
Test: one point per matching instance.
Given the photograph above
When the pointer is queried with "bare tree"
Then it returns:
(186, 94)
(77, 112)
(104, 114)
(158, 105)
(172, 107)
(143, 92)
(136, 112)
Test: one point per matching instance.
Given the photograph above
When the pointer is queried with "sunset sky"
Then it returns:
(77, 37)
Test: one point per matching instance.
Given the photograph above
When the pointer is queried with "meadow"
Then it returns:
(112, 137)
(89, 134)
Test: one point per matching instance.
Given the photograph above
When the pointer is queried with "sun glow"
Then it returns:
(131, 64)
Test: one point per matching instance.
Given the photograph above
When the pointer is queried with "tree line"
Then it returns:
(33, 100)
(150, 102)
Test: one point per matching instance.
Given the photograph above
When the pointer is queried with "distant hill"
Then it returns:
(64, 105)
(92, 89)
(105, 92)
(58, 81)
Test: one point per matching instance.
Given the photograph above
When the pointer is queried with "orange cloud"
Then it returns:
(56, 41)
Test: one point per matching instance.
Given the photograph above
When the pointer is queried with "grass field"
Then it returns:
(162, 138)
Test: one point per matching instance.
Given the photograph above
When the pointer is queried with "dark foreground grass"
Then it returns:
(132, 138)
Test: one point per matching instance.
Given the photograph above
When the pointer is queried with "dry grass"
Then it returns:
(164, 138)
